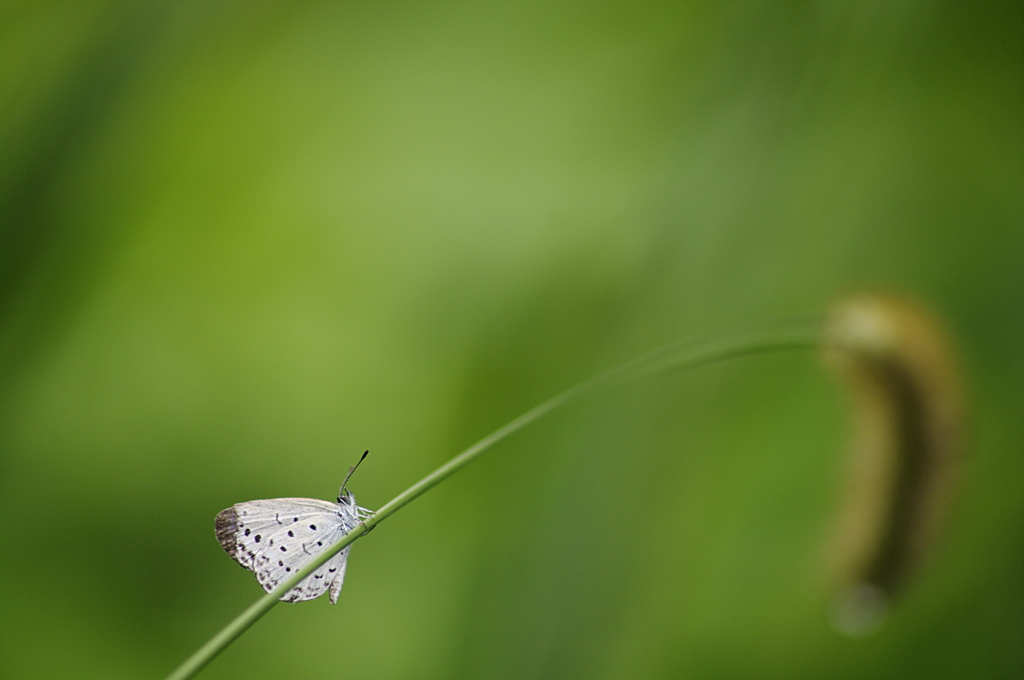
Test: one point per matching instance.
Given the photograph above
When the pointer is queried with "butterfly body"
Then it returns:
(275, 538)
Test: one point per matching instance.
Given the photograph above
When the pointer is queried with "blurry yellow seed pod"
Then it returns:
(908, 431)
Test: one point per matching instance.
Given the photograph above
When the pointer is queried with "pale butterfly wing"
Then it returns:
(274, 538)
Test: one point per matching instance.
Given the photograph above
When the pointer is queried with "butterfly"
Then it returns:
(277, 537)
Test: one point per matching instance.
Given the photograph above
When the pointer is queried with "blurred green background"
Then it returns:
(243, 241)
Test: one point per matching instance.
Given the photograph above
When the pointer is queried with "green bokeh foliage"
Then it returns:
(242, 241)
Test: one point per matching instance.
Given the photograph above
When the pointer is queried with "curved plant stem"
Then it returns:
(674, 357)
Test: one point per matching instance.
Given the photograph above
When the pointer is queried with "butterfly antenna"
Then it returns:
(352, 469)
